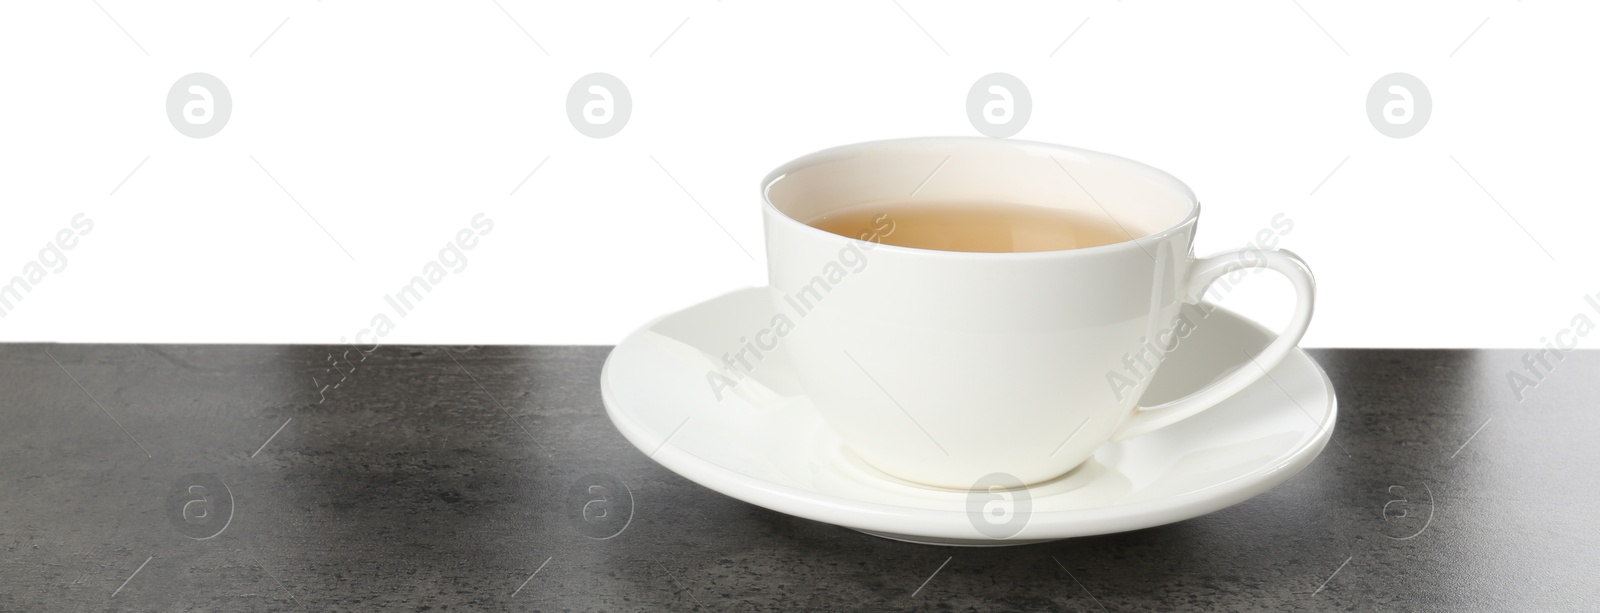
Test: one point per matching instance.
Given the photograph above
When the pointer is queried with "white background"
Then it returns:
(392, 125)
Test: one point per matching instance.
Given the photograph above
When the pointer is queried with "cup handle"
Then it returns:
(1202, 274)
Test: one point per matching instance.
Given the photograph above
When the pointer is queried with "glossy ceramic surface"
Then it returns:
(946, 368)
(764, 441)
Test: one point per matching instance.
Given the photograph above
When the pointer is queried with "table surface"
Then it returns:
(444, 479)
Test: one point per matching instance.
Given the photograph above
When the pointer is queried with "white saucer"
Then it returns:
(765, 444)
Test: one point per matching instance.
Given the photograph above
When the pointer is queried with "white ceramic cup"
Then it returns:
(944, 368)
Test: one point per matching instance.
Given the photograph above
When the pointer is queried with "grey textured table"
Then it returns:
(445, 479)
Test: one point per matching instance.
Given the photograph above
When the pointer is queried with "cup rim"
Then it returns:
(1137, 242)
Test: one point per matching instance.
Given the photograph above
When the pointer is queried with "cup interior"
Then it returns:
(1140, 199)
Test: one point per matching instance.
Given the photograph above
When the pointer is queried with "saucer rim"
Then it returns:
(914, 523)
